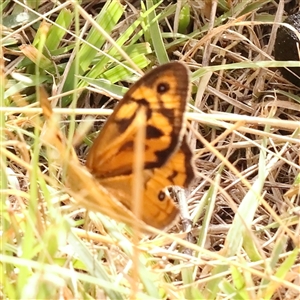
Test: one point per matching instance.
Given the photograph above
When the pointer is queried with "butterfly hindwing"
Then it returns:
(157, 209)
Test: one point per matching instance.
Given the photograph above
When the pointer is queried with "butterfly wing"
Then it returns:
(163, 93)
(82, 185)
(158, 209)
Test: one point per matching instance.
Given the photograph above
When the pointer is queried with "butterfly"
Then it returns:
(162, 96)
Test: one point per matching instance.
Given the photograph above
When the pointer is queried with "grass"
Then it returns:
(243, 242)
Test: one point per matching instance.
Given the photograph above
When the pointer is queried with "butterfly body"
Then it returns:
(162, 96)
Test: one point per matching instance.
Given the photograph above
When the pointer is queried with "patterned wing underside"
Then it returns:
(159, 209)
(164, 98)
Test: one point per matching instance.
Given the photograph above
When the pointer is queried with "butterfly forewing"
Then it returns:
(163, 93)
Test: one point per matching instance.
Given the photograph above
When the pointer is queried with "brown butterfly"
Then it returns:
(162, 94)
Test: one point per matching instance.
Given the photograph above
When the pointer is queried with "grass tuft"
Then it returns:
(243, 241)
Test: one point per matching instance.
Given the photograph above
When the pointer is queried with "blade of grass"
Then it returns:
(155, 33)
(107, 19)
(101, 65)
(93, 266)
(55, 35)
(281, 273)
